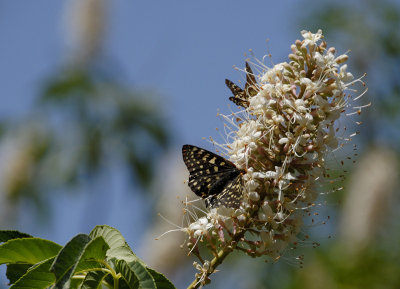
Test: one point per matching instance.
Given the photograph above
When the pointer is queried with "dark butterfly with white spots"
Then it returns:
(213, 178)
(241, 96)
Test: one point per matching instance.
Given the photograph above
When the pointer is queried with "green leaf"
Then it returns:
(133, 270)
(144, 277)
(37, 277)
(119, 249)
(135, 273)
(79, 254)
(27, 250)
(128, 275)
(75, 283)
(66, 261)
(161, 281)
(94, 253)
(6, 235)
(93, 280)
(16, 271)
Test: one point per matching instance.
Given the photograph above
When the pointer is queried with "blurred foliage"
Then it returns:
(370, 29)
(112, 120)
(375, 268)
(82, 124)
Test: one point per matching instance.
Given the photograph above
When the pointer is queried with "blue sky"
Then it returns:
(182, 50)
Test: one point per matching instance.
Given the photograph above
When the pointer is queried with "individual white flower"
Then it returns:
(344, 75)
(273, 75)
(200, 227)
(311, 38)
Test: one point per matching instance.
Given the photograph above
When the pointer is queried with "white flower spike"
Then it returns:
(279, 142)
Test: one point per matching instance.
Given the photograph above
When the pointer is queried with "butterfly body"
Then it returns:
(241, 96)
(213, 178)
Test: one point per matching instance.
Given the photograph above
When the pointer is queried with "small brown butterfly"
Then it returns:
(241, 96)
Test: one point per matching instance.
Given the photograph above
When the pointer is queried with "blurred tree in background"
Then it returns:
(83, 122)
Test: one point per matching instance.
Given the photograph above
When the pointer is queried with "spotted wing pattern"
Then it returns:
(213, 178)
(241, 96)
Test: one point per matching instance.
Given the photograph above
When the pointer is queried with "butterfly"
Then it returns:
(213, 178)
(241, 96)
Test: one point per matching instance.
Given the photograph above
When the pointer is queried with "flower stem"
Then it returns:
(213, 265)
(221, 255)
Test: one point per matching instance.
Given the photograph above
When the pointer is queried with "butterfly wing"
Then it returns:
(230, 196)
(239, 101)
(236, 90)
(241, 97)
(211, 176)
(250, 86)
